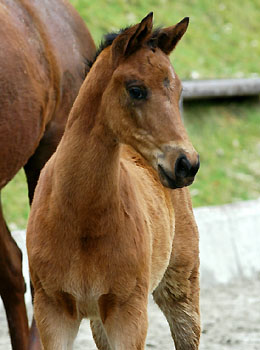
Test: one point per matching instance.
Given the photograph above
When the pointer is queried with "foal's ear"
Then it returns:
(169, 37)
(132, 38)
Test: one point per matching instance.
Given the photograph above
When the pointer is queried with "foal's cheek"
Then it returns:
(123, 100)
(130, 112)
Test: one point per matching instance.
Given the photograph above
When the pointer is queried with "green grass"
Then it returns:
(227, 136)
(222, 39)
(15, 202)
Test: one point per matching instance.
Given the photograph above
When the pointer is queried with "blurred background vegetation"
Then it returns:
(222, 41)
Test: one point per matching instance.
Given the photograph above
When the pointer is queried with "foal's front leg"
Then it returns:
(178, 293)
(125, 323)
(56, 327)
(180, 304)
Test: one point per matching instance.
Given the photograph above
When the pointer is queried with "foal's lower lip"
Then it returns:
(163, 175)
(163, 172)
(172, 183)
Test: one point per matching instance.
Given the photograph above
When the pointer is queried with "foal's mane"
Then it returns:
(110, 37)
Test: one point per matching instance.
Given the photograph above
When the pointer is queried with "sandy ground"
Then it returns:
(230, 320)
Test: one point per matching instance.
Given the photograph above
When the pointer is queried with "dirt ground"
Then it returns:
(230, 321)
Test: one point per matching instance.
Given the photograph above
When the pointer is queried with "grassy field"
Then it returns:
(15, 202)
(222, 41)
(227, 136)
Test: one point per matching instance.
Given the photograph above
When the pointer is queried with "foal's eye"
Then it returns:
(137, 92)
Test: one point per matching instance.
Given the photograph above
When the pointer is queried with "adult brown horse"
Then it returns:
(43, 46)
(101, 229)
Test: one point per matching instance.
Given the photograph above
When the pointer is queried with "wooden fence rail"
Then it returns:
(205, 89)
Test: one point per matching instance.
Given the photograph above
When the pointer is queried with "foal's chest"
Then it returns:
(105, 265)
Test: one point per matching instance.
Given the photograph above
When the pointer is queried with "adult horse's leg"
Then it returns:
(12, 287)
(178, 293)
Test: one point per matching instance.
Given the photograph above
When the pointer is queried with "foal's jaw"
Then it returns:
(176, 165)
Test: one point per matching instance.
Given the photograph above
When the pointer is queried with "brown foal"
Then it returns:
(101, 229)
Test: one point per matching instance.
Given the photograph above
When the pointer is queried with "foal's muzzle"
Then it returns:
(182, 175)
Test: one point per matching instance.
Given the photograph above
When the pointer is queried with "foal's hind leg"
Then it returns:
(99, 335)
(178, 293)
(12, 287)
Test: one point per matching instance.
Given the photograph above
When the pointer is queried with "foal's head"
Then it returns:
(141, 100)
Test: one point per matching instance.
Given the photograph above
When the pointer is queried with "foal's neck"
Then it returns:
(88, 156)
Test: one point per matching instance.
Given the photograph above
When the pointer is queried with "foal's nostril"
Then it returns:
(194, 169)
(182, 167)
